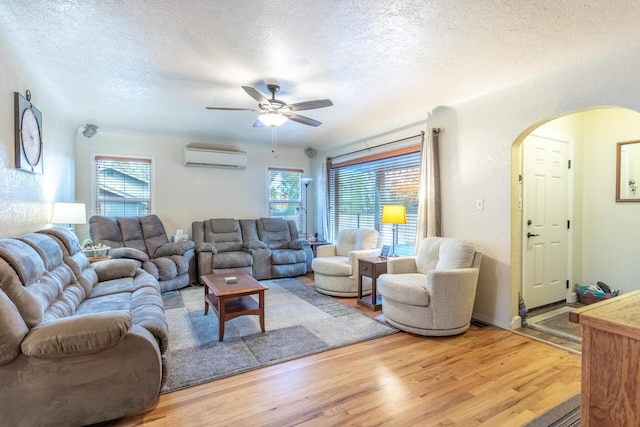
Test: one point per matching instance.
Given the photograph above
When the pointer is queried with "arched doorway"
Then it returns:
(602, 232)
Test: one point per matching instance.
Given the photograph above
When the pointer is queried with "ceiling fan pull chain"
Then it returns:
(273, 141)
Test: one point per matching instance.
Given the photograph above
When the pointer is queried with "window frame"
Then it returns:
(404, 232)
(300, 217)
(124, 157)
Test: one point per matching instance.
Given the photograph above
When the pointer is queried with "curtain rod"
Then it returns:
(421, 134)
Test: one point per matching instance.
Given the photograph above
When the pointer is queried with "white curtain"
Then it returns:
(429, 217)
(323, 197)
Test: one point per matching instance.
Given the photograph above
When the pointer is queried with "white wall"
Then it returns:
(187, 194)
(611, 229)
(476, 162)
(27, 198)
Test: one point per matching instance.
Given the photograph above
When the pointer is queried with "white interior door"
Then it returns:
(545, 220)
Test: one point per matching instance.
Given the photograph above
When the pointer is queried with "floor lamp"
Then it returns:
(394, 214)
(306, 182)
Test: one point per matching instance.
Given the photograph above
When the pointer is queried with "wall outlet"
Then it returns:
(480, 204)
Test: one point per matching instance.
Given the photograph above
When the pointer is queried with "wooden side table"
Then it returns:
(371, 267)
(314, 246)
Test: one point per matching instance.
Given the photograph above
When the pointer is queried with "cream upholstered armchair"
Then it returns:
(433, 292)
(336, 266)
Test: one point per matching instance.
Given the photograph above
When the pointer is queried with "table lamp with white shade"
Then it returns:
(69, 213)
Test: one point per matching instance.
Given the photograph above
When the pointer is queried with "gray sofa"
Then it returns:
(144, 238)
(79, 344)
(265, 248)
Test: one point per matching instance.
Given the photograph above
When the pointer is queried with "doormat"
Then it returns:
(556, 323)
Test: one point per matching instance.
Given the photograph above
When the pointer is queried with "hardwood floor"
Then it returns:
(485, 377)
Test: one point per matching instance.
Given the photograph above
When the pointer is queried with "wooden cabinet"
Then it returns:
(610, 361)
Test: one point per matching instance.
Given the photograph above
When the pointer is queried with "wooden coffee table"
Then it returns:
(230, 300)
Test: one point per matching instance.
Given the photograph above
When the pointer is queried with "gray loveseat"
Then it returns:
(79, 344)
(265, 248)
(144, 238)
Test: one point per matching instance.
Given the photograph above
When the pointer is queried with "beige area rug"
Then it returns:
(556, 323)
(299, 321)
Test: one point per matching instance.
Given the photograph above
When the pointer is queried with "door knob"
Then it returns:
(530, 235)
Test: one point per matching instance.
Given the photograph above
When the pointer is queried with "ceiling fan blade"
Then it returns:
(231, 109)
(310, 105)
(256, 95)
(302, 119)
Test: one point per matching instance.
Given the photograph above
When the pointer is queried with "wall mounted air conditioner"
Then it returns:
(214, 158)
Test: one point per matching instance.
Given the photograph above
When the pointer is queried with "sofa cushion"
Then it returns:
(39, 295)
(232, 260)
(366, 239)
(455, 254)
(345, 242)
(115, 269)
(130, 253)
(132, 235)
(108, 229)
(12, 329)
(405, 288)
(77, 335)
(287, 256)
(332, 266)
(428, 254)
(167, 268)
(274, 232)
(274, 224)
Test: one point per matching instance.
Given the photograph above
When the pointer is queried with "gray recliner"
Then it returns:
(219, 247)
(276, 249)
(144, 238)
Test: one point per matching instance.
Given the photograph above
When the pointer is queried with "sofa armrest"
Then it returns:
(452, 287)
(402, 265)
(298, 243)
(174, 248)
(452, 295)
(77, 335)
(354, 256)
(326, 251)
(116, 268)
(253, 244)
(130, 253)
(206, 247)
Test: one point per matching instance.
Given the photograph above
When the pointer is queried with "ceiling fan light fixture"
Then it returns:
(272, 119)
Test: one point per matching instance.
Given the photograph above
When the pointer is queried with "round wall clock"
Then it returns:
(28, 144)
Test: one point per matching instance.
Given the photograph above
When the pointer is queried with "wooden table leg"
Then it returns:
(221, 319)
(261, 304)
(206, 301)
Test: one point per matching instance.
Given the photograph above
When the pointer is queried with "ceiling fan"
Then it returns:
(275, 112)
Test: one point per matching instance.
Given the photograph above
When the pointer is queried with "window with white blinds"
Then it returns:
(359, 189)
(285, 194)
(123, 186)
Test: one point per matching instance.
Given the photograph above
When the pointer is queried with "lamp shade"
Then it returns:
(272, 119)
(69, 213)
(306, 181)
(394, 214)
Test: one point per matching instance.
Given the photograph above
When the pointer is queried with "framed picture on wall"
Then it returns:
(384, 252)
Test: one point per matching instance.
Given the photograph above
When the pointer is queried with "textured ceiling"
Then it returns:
(155, 65)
